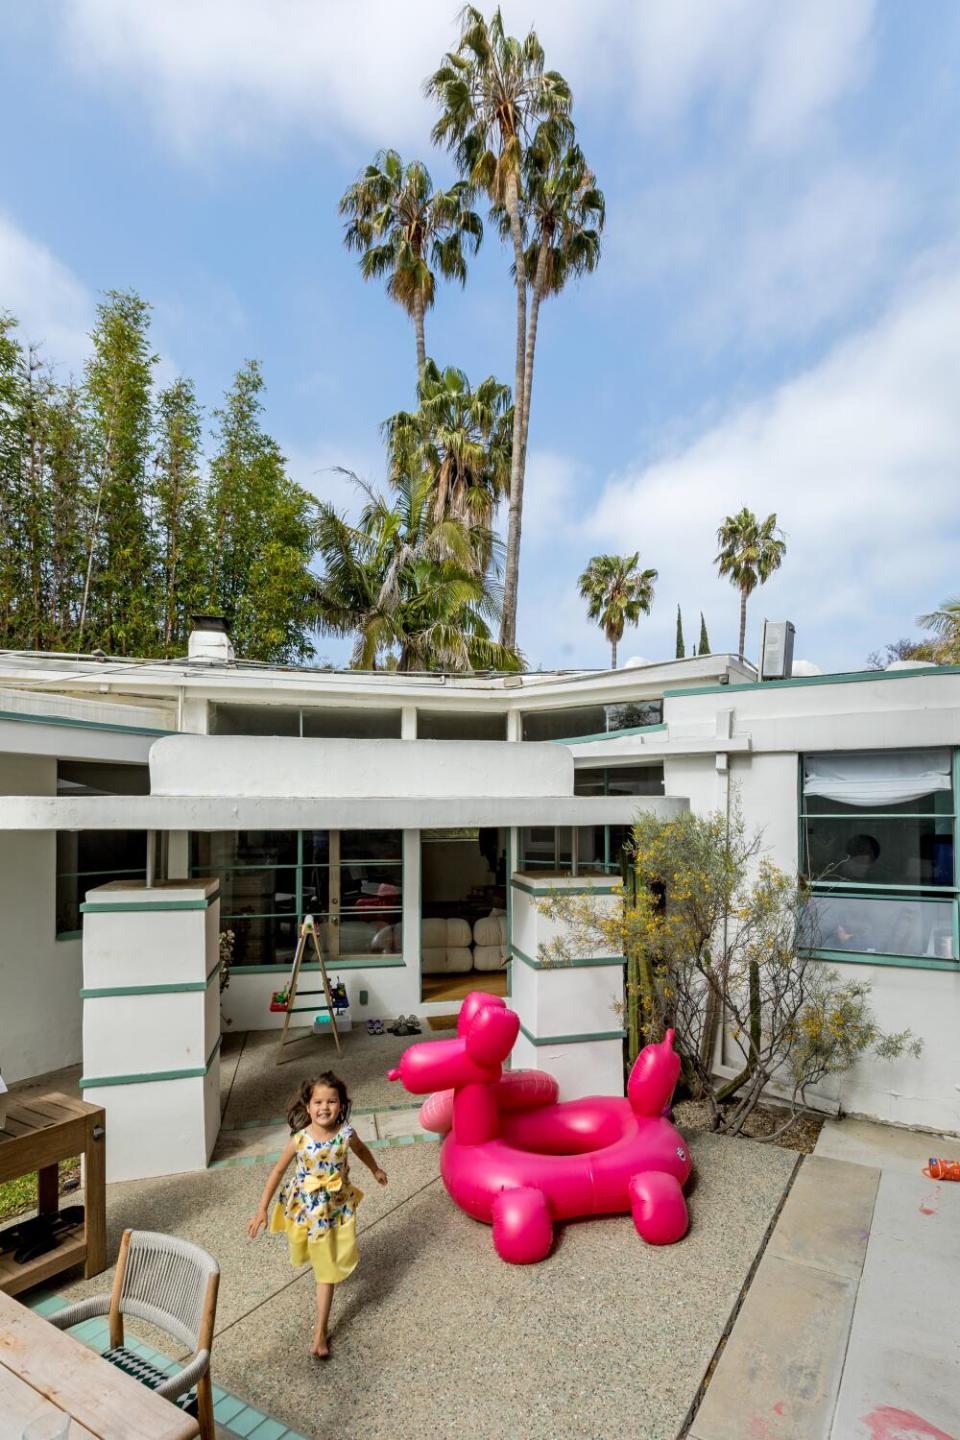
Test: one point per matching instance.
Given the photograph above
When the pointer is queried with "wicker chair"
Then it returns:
(173, 1285)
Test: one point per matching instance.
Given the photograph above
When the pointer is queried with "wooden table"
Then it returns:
(43, 1369)
(38, 1132)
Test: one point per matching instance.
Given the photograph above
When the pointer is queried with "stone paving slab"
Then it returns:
(606, 1338)
(826, 1220)
(902, 1371)
(886, 1147)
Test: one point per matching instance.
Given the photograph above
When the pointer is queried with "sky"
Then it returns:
(775, 321)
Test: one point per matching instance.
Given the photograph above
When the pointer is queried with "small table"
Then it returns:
(37, 1133)
(43, 1370)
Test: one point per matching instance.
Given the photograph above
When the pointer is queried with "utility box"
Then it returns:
(776, 650)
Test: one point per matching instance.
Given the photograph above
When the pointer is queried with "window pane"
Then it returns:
(263, 940)
(83, 777)
(887, 926)
(590, 720)
(619, 780)
(450, 725)
(254, 720)
(219, 850)
(88, 858)
(589, 782)
(371, 844)
(634, 714)
(258, 892)
(356, 724)
(374, 934)
(591, 846)
(885, 851)
(538, 847)
(889, 782)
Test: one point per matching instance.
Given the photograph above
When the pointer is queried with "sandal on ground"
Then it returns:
(413, 1025)
(942, 1169)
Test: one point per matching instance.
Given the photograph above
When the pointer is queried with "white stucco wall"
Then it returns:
(40, 977)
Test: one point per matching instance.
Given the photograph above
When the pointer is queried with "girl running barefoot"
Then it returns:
(316, 1208)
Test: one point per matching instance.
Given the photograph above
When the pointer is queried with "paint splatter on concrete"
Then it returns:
(891, 1423)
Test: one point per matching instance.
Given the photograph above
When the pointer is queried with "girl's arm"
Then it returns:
(362, 1153)
(273, 1180)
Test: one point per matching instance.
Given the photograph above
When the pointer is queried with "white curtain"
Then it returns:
(869, 781)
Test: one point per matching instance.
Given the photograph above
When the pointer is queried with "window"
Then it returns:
(586, 850)
(350, 881)
(878, 845)
(88, 858)
(619, 780)
(591, 720)
(455, 725)
(310, 721)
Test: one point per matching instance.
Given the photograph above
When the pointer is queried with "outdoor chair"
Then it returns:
(172, 1284)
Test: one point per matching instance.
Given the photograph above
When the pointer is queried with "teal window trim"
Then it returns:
(545, 890)
(608, 960)
(904, 962)
(855, 677)
(572, 1039)
(72, 723)
(123, 906)
(68, 935)
(610, 734)
(196, 1072)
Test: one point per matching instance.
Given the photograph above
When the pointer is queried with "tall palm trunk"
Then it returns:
(539, 285)
(613, 654)
(508, 623)
(421, 335)
(743, 621)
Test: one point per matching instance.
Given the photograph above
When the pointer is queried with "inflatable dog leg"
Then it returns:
(658, 1207)
(522, 1225)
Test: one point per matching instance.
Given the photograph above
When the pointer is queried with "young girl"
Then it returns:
(317, 1206)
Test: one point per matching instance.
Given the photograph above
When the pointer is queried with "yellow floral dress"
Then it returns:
(316, 1207)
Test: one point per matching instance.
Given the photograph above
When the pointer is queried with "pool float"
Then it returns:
(519, 1161)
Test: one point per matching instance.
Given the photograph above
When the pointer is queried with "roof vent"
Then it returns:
(209, 642)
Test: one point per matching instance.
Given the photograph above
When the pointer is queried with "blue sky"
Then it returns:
(775, 321)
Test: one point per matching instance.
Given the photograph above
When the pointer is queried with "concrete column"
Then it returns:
(151, 1023)
(178, 854)
(570, 1024)
(514, 725)
(408, 722)
(411, 914)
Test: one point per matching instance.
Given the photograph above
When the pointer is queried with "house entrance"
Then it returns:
(463, 924)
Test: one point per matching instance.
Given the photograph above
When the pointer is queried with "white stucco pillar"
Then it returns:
(408, 722)
(569, 1022)
(151, 1023)
(178, 854)
(514, 725)
(411, 914)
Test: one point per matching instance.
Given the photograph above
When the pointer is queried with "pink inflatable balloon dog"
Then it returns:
(519, 1161)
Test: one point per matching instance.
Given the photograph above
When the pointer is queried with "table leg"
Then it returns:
(48, 1189)
(94, 1162)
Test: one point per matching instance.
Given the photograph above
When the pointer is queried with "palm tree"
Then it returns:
(750, 551)
(945, 623)
(564, 213)
(407, 586)
(618, 594)
(402, 227)
(460, 438)
(495, 95)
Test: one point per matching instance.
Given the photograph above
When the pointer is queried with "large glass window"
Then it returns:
(591, 720)
(334, 722)
(456, 725)
(878, 835)
(586, 850)
(88, 858)
(351, 881)
(619, 780)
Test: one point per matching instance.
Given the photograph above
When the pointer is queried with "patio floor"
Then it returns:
(606, 1338)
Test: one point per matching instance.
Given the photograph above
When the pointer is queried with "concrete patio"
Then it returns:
(607, 1338)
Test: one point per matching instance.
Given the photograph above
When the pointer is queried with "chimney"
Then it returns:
(209, 642)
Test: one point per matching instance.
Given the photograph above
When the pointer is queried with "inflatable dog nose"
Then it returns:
(474, 1057)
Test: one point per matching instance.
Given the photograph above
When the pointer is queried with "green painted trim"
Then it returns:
(611, 734)
(94, 1082)
(375, 962)
(564, 889)
(187, 986)
(75, 724)
(568, 964)
(69, 935)
(122, 906)
(905, 962)
(572, 1039)
(865, 890)
(855, 677)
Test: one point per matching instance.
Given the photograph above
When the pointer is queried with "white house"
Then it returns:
(417, 816)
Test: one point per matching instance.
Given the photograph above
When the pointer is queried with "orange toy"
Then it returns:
(942, 1169)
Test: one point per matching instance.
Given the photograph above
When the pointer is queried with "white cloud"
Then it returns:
(54, 309)
(239, 69)
(859, 459)
(320, 468)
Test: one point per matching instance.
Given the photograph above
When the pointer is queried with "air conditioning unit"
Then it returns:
(776, 650)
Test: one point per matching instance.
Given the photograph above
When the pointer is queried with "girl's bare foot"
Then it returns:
(321, 1347)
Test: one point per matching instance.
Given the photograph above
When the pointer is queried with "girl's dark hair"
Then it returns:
(298, 1116)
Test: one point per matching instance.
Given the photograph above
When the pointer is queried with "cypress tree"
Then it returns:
(704, 647)
(680, 650)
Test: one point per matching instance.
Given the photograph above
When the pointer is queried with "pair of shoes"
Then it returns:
(405, 1025)
(374, 1027)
